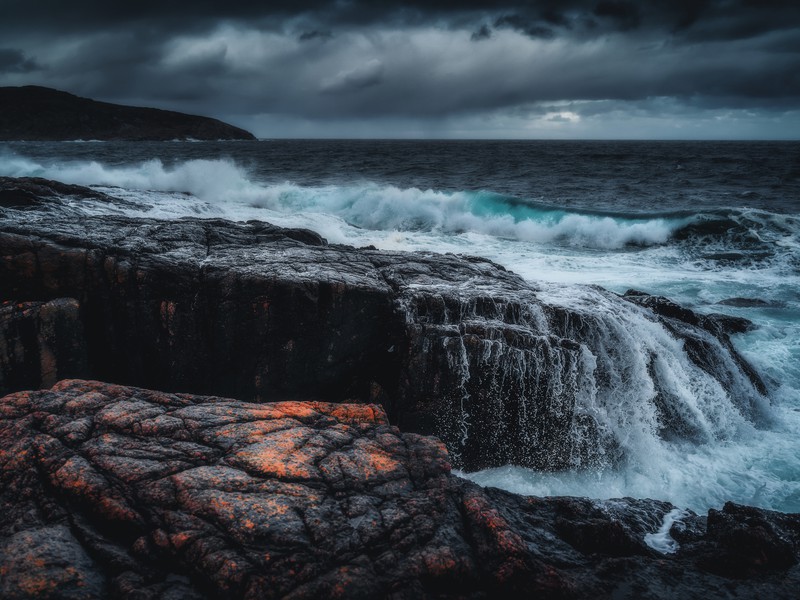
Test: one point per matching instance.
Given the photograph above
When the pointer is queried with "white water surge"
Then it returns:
(661, 541)
(734, 446)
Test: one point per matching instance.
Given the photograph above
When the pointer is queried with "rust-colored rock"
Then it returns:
(116, 492)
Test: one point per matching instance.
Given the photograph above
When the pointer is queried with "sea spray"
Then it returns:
(690, 236)
(375, 207)
(592, 387)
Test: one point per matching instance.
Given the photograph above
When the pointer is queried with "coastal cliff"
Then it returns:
(502, 370)
(287, 451)
(34, 113)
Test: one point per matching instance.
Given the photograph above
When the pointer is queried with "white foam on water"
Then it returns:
(661, 541)
(732, 460)
(759, 468)
(366, 205)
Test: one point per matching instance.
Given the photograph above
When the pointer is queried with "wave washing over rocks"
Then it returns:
(135, 490)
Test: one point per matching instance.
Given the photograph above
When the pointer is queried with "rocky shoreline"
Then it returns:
(114, 490)
(448, 345)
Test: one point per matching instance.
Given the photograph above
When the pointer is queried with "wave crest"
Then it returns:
(234, 191)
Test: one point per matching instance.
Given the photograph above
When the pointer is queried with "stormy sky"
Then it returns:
(439, 68)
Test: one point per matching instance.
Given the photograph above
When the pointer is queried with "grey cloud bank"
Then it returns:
(574, 69)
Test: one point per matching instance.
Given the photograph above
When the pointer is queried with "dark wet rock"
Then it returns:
(39, 113)
(676, 317)
(663, 306)
(40, 343)
(716, 323)
(744, 302)
(750, 542)
(116, 492)
(18, 199)
(452, 346)
(728, 324)
(43, 189)
(31, 192)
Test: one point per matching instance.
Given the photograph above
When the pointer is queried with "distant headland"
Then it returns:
(34, 113)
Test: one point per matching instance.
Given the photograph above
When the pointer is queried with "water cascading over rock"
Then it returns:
(560, 377)
(505, 371)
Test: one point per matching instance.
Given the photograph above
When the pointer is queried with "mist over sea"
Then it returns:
(714, 226)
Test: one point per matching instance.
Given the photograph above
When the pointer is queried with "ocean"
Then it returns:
(714, 226)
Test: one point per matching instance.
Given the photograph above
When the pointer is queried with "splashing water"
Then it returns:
(628, 371)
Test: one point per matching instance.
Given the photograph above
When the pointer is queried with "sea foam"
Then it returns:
(691, 258)
(365, 205)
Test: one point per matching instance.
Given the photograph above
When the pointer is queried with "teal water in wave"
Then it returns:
(714, 226)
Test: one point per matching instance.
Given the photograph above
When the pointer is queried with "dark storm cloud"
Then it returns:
(626, 15)
(426, 59)
(15, 61)
(531, 29)
(483, 33)
(314, 34)
(723, 16)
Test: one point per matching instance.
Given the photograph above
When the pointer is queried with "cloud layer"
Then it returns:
(609, 68)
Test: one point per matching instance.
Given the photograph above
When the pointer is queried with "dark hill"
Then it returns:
(39, 113)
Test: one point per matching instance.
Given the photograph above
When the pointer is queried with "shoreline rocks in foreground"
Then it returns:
(118, 492)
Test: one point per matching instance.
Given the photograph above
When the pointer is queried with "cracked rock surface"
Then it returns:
(118, 492)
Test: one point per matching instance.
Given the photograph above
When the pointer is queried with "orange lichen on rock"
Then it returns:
(499, 530)
(78, 478)
(250, 516)
(284, 454)
(15, 405)
(365, 462)
(442, 561)
(46, 562)
(74, 387)
(251, 432)
(15, 457)
(354, 413)
(180, 539)
(84, 401)
(127, 414)
(288, 410)
(373, 461)
(115, 491)
(34, 584)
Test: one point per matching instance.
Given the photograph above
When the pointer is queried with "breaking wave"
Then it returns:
(748, 256)
(223, 183)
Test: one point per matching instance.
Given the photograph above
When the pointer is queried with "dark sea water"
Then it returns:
(712, 225)
(614, 176)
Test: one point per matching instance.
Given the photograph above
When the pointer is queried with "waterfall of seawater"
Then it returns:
(573, 378)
